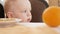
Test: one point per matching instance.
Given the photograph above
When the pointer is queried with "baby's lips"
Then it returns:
(28, 19)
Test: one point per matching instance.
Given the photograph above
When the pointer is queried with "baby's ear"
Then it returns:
(9, 14)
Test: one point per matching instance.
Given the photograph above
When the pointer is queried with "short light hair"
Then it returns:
(9, 5)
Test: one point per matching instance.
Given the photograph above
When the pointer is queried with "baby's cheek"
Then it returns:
(24, 18)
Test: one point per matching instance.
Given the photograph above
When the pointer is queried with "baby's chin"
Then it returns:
(26, 21)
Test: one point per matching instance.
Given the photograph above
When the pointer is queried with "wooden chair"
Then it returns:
(38, 6)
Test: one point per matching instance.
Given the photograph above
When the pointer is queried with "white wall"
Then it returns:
(2, 2)
(47, 1)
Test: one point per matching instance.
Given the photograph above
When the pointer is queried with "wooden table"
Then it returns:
(57, 29)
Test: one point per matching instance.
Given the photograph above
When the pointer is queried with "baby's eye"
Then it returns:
(25, 11)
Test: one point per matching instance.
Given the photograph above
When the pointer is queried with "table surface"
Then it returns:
(57, 29)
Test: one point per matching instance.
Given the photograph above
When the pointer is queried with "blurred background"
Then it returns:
(38, 6)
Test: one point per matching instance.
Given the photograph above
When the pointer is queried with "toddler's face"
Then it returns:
(25, 15)
(22, 10)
